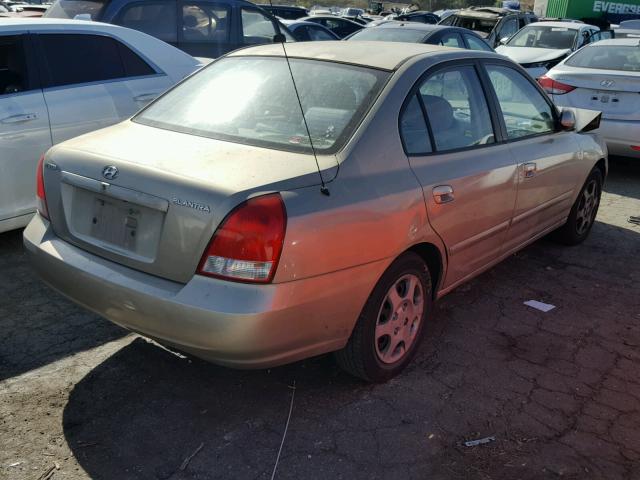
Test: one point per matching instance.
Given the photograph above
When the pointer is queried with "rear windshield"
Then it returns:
(610, 57)
(71, 8)
(382, 34)
(558, 38)
(252, 100)
(481, 25)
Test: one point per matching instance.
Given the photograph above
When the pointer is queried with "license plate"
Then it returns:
(115, 223)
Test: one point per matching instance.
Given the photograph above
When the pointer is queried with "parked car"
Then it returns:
(286, 12)
(419, 16)
(309, 31)
(202, 29)
(340, 26)
(540, 46)
(429, 165)
(626, 33)
(422, 33)
(604, 76)
(62, 78)
(494, 24)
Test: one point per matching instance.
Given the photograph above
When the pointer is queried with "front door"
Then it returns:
(24, 131)
(548, 159)
(469, 181)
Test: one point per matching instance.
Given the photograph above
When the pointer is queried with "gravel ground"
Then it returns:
(559, 391)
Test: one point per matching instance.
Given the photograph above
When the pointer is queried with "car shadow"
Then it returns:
(148, 413)
(624, 177)
(38, 325)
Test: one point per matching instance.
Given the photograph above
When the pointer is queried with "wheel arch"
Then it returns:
(432, 256)
(602, 166)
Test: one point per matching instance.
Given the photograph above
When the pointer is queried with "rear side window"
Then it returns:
(451, 40)
(413, 129)
(524, 109)
(95, 59)
(157, 19)
(457, 109)
(14, 77)
(477, 44)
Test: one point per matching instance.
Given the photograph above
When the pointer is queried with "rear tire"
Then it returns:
(391, 324)
(584, 211)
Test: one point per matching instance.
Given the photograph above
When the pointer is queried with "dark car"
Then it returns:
(413, 32)
(338, 25)
(200, 28)
(419, 16)
(309, 31)
(286, 12)
(494, 24)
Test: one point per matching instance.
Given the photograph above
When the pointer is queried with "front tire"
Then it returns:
(584, 211)
(389, 329)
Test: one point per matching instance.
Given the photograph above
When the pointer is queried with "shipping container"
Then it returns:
(613, 12)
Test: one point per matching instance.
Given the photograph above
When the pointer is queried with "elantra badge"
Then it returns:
(188, 203)
(110, 172)
(607, 83)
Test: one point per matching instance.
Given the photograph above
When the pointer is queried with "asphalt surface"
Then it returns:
(559, 391)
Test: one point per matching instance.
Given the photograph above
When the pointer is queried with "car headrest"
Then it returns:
(440, 112)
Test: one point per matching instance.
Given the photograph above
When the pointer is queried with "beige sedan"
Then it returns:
(214, 223)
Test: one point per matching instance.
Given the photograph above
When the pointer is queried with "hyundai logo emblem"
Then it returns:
(607, 83)
(110, 172)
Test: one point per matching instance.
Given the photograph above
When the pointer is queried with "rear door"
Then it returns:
(204, 28)
(548, 159)
(24, 129)
(93, 81)
(469, 180)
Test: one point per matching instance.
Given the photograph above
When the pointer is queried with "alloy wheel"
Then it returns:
(587, 207)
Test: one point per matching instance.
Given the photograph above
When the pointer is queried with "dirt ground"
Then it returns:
(559, 391)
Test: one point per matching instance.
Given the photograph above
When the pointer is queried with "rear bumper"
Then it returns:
(233, 324)
(619, 136)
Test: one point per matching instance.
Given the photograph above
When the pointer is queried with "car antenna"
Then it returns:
(281, 39)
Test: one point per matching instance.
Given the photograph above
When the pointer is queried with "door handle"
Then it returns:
(443, 194)
(145, 97)
(23, 117)
(530, 170)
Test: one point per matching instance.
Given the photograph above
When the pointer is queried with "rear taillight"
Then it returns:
(40, 193)
(246, 246)
(554, 87)
(635, 148)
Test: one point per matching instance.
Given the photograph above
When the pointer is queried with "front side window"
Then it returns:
(157, 19)
(607, 57)
(95, 59)
(205, 22)
(14, 77)
(256, 27)
(251, 100)
(540, 36)
(524, 109)
(509, 28)
(457, 109)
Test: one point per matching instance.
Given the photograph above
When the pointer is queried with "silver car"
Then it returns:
(604, 76)
(213, 223)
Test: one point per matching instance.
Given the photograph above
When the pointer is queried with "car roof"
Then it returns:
(388, 56)
(569, 25)
(426, 27)
(620, 42)
(48, 22)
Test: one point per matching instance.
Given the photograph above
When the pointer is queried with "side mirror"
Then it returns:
(567, 120)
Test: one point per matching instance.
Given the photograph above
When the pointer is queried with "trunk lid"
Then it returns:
(171, 190)
(615, 94)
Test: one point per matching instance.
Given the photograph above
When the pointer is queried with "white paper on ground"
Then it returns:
(543, 307)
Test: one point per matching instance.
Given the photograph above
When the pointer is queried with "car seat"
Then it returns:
(448, 133)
